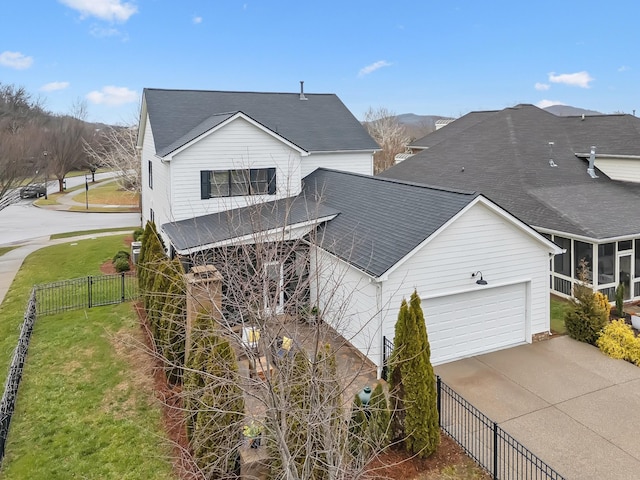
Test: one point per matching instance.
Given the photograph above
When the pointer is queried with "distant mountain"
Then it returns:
(568, 111)
(417, 126)
(418, 120)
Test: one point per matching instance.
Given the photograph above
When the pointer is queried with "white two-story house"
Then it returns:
(204, 152)
(218, 167)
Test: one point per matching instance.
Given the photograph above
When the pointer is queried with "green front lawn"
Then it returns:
(85, 408)
(558, 308)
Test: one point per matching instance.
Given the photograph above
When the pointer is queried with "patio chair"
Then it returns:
(284, 347)
(250, 338)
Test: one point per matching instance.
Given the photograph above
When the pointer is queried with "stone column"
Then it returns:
(204, 295)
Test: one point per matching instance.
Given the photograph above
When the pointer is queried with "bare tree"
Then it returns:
(296, 378)
(114, 147)
(383, 126)
(20, 156)
(63, 141)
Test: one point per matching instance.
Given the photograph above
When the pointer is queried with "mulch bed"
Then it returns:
(395, 464)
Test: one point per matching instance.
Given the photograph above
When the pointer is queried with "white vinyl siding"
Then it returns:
(623, 169)
(238, 145)
(348, 300)
(158, 198)
(478, 240)
(360, 162)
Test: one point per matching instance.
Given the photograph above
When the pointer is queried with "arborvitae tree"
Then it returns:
(399, 357)
(218, 422)
(173, 324)
(193, 377)
(153, 256)
(413, 382)
(377, 431)
(157, 300)
(142, 257)
(298, 435)
(357, 426)
(587, 316)
(423, 421)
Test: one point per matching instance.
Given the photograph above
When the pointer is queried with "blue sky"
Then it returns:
(443, 57)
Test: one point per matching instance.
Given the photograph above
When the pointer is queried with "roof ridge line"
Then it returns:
(402, 182)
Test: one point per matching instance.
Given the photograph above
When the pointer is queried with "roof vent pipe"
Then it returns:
(302, 97)
(592, 161)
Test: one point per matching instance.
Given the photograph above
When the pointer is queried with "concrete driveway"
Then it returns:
(575, 408)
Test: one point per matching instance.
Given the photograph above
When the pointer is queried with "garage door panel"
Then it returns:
(470, 323)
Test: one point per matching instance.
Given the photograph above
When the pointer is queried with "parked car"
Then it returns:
(34, 190)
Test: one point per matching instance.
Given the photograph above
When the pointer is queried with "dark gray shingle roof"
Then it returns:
(506, 157)
(210, 229)
(377, 221)
(380, 220)
(321, 123)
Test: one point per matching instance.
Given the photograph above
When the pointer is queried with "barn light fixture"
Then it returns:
(480, 281)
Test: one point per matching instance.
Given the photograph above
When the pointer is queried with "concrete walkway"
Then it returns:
(574, 407)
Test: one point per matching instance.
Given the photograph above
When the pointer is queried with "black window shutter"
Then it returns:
(205, 184)
(272, 180)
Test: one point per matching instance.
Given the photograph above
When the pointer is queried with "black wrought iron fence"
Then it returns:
(8, 402)
(85, 292)
(492, 448)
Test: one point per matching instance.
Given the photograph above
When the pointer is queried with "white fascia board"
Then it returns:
(609, 155)
(320, 152)
(551, 247)
(583, 238)
(248, 239)
(236, 116)
(142, 122)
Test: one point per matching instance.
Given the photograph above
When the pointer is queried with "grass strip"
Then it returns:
(90, 232)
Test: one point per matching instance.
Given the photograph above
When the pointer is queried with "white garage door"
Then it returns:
(475, 322)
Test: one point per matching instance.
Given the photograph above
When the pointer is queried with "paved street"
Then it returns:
(22, 221)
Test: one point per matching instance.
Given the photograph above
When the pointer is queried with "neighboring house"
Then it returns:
(541, 168)
(207, 151)
(378, 239)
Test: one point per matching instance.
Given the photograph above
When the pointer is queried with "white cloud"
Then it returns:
(578, 79)
(100, 32)
(624, 68)
(16, 60)
(373, 67)
(111, 10)
(548, 103)
(542, 86)
(54, 86)
(112, 96)
(197, 20)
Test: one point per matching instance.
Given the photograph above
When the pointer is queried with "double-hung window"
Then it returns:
(235, 183)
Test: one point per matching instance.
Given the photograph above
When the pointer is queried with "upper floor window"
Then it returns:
(150, 175)
(233, 183)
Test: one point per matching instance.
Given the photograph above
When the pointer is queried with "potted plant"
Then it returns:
(252, 433)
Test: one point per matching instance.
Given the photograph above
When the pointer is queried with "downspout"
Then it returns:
(380, 323)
